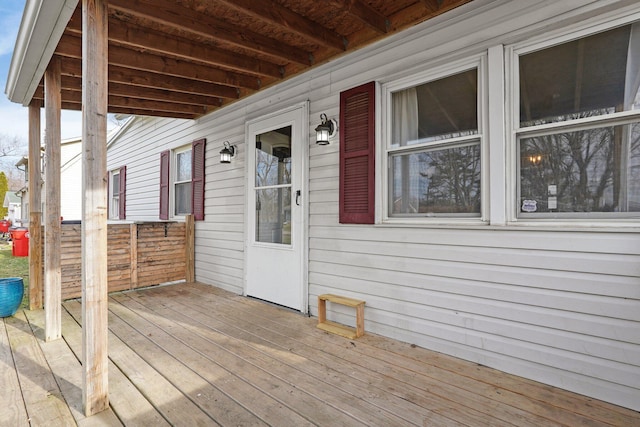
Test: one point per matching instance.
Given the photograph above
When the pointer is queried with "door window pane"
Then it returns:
(273, 186)
(273, 157)
(273, 215)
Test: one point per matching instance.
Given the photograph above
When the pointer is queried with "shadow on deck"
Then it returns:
(191, 354)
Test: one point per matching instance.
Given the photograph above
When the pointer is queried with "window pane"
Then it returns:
(183, 166)
(441, 109)
(273, 157)
(273, 215)
(115, 184)
(595, 170)
(115, 208)
(183, 198)
(592, 76)
(442, 181)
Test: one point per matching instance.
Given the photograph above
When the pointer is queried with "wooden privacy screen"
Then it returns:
(139, 254)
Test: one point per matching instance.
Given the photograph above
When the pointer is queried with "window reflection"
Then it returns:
(273, 186)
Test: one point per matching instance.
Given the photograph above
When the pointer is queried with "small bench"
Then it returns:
(336, 328)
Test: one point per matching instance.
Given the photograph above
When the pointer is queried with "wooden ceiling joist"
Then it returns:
(274, 14)
(71, 47)
(171, 14)
(185, 58)
(141, 38)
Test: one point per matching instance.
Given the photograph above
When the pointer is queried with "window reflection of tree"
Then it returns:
(453, 180)
(590, 168)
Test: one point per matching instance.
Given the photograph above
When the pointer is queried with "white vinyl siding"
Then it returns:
(554, 302)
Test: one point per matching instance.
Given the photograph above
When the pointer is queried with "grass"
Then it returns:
(13, 266)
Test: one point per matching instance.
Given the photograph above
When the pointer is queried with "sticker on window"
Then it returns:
(529, 206)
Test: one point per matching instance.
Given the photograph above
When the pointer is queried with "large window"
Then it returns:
(578, 130)
(434, 147)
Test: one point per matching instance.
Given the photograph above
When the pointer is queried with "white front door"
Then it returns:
(276, 156)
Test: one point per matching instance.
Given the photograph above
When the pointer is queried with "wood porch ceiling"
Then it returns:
(186, 58)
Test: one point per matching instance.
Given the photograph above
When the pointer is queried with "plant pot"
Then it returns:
(11, 291)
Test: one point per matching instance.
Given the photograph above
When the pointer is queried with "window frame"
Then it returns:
(119, 193)
(516, 132)
(386, 151)
(173, 181)
(113, 194)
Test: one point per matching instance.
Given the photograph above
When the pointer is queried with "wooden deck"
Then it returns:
(195, 355)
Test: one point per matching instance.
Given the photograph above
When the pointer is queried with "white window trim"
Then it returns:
(383, 131)
(514, 131)
(113, 195)
(173, 174)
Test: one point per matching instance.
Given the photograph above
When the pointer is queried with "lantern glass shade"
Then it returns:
(227, 153)
(325, 130)
(322, 134)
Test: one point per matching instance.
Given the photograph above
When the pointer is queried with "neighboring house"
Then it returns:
(13, 203)
(482, 192)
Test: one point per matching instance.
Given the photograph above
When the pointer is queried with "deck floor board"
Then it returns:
(191, 354)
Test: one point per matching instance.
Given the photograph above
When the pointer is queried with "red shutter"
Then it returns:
(357, 155)
(197, 179)
(122, 196)
(164, 184)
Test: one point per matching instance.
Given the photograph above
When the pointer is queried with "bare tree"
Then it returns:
(12, 148)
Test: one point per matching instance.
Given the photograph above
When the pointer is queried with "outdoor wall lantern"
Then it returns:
(325, 130)
(227, 153)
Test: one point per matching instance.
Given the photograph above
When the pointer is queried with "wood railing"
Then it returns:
(139, 254)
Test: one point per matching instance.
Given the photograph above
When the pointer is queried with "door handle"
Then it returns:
(298, 194)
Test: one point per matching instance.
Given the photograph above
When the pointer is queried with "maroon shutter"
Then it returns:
(357, 155)
(164, 184)
(122, 196)
(197, 179)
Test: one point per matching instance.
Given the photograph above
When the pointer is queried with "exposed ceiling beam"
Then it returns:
(71, 47)
(130, 102)
(275, 14)
(73, 67)
(169, 13)
(131, 35)
(366, 14)
(69, 83)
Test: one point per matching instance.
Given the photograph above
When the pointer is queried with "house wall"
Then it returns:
(557, 303)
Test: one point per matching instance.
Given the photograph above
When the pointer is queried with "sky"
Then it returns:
(14, 117)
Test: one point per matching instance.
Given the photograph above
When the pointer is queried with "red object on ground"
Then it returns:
(20, 238)
(4, 226)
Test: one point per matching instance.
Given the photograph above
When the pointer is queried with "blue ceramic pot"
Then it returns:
(11, 290)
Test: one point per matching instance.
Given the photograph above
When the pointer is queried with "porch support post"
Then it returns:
(53, 273)
(35, 210)
(94, 209)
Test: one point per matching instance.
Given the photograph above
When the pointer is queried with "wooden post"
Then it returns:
(52, 244)
(95, 385)
(189, 248)
(35, 211)
(133, 255)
